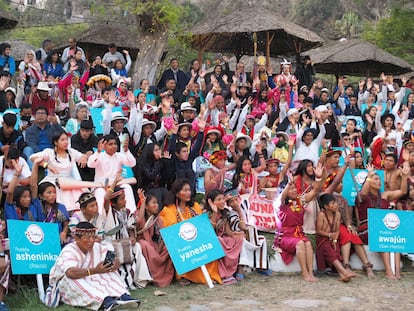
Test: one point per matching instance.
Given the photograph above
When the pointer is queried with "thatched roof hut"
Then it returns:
(6, 20)
(233, 33)
(356, 57)
(249, 63)
(96, 39)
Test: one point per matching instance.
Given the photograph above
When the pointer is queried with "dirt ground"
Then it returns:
(286, 292)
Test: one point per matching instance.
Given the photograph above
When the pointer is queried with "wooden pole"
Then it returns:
(269, 40)
(200, 50)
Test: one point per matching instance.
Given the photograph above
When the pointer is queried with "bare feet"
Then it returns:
(310, 278)
(351, 273)
(390, 276)
(345, 277)
(370, 273)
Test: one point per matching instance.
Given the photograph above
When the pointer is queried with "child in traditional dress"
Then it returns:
(290, 237)
(272, 166)
(243, 178)
(120, 225)
(22, 203)
(149, 237)
(327, 235)
(231, 241)
(254, 251)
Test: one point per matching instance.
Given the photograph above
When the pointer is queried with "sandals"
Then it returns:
(183, 282)
(229, 281)
(239, 276)
(265, 272)
(368, 269)
(347, 266)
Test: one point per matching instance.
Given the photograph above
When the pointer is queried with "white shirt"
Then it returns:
(9, 172)
(107, 166)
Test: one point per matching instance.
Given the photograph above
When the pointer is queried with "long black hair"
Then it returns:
(239, 170)
(301, 170)
(55, 139)
(225, 213)
(176, 187)
(50, 55)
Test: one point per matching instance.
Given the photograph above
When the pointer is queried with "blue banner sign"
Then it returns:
(192, 243)
(34, 246)
(349, 192)
(343, 155)
(390, 231)
(97, 115)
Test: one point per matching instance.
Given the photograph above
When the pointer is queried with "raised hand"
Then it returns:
(126, 144)
(250, 101)
(141, 195)
(202, 125)
(17, 166)
(131, 97)
(319, 170)
(369, 83)
(259, 147)
(371, 170)
(166, 155)
(361, 85)
(101, 145)
(369, 119)
(213, 206)
(112, 97)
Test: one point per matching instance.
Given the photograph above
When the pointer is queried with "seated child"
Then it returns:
(327, 235)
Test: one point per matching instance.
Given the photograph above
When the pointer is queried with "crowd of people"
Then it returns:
(195, 143)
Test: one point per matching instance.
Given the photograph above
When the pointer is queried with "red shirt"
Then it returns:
(49, 103)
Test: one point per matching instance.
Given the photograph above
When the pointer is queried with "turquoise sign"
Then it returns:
(34, 246)
(97, 115)
(192, 243)
(390, 231)
(349, 192)
(343, 155)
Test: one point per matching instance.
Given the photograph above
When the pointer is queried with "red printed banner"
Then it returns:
(262, 214)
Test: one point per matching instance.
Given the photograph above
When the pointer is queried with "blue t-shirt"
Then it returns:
(44, 142)
(35, 213)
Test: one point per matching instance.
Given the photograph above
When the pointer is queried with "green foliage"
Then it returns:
(35, 35)
(153, 14)
(314, 14)
(4, 5)
(349, 26)
(394, 34)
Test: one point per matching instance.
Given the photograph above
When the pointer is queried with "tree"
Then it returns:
(316, 14)
(154, 19)
(349, 26)
(394, 34)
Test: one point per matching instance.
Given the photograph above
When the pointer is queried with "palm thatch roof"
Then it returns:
(19, 49)
(6, 20)
(232, 33)
(249, 63)
(96, 39)
(356, 57)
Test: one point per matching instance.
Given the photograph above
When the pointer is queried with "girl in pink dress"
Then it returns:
(231, 241)
(290, 237)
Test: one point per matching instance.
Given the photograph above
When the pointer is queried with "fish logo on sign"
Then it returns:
(361, 177)
(188, 232)
(391, 221)
(35, 234)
